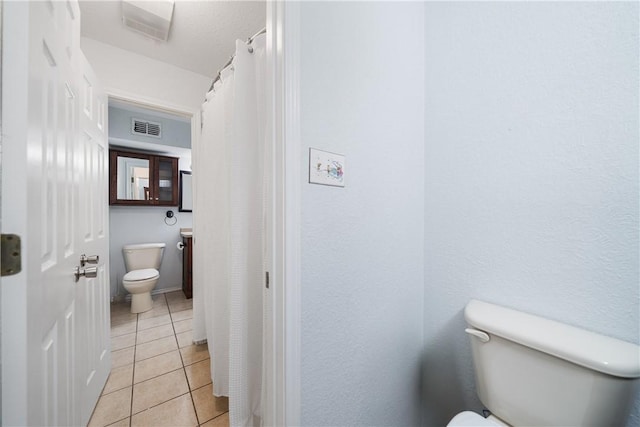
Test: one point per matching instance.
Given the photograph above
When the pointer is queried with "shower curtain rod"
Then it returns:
(249, 41)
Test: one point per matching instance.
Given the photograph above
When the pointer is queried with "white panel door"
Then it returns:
(55, 341)
(92, 295)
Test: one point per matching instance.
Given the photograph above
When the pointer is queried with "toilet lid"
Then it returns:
(144, 274)
(470, 419)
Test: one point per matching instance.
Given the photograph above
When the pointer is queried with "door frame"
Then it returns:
(284, 143)
(14, 287)
(282, 362)
(161, 106)
(1, 144)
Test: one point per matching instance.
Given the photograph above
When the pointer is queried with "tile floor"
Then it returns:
(158, 377)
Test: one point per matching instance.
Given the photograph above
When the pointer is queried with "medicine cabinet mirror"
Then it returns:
(142, 179)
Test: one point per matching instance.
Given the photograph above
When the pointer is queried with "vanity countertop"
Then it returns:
(186, 232)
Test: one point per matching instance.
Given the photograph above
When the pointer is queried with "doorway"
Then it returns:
(283, 340)
(158, 374)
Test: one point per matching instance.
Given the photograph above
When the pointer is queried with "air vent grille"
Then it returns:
(153, 129)
(146, 29)
(146, 128)
(151, 18)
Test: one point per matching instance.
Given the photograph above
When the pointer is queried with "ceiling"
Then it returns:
(202, 35)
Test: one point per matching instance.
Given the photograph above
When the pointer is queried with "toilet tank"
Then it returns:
(535, 371)
(145, 255)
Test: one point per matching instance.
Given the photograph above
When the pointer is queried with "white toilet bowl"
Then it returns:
(140, 283)
(472, 419)
(142, 262)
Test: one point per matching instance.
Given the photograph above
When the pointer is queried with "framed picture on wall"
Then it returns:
(186, 192)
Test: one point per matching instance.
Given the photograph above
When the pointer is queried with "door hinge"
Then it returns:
(10, 255)
(266, 279)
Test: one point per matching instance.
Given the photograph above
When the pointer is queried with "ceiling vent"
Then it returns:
(146, 128)
(151, 18)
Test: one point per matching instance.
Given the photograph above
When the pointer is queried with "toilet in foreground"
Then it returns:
(532, 371)
(142, 262)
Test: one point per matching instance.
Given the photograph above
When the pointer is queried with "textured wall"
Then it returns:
(531, 183)
(362, 246)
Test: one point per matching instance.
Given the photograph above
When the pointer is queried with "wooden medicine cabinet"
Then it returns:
(142, 179)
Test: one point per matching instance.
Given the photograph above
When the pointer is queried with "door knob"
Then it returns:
(91, 259)
(89, 272)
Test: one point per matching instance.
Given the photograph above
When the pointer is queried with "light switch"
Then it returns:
(326, 168)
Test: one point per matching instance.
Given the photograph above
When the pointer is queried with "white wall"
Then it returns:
(531, 175)
(362, 246)
(123, 71)
(174, 133)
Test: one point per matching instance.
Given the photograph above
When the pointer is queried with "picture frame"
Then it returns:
(186, 192)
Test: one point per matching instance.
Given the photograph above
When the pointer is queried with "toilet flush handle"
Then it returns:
(482, 336)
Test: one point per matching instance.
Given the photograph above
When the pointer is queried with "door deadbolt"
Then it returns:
(89, 272)
(91, 259)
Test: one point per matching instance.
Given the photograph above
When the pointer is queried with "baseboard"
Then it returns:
(153, 292)
(165, 290)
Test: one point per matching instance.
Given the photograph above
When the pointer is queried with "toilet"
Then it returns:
(142, 262)
(532, 371)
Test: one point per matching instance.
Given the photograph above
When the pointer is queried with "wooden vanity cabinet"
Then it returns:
(142, 179)
(187, 263)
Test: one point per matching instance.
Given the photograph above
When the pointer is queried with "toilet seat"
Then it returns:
(471, 419)
(144, 274)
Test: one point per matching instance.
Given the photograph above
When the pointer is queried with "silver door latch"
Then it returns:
(89, 273)
(91, 259)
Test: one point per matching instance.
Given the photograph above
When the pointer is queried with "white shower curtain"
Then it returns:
(229, 232)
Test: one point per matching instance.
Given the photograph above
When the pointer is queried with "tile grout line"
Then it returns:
(184, 370)
(137, 330)
(193, 403)
(135, 349)
(133, 374)
(157, 376)
(102, 393)
(161, 403)
(159, 354)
